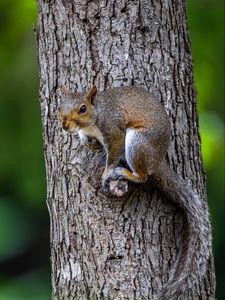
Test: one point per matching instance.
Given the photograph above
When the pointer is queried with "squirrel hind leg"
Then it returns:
(136, 158)
(138, 176)
(139, 172)
(115, 183)
(123, 173)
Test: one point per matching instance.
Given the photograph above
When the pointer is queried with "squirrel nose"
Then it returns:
(65, 127)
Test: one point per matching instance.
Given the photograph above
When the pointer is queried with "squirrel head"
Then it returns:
(77, 110)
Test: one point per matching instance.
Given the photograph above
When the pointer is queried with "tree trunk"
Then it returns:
(104, 247)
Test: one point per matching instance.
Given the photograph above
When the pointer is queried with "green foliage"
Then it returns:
(30, 286)
(21, 156)
(22, 173)
(206, 21)
(13, 216)
(23, 213)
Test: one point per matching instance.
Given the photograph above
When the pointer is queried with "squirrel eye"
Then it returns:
(83, 109)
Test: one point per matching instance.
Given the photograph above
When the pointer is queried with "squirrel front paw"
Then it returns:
(92, 144)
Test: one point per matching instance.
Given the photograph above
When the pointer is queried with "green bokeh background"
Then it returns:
(24, 221)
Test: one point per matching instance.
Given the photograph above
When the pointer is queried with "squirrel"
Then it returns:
(129, 122)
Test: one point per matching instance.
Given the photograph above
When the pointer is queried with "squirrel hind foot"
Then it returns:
(125, 174)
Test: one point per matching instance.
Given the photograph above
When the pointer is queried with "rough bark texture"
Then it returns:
(103, 247)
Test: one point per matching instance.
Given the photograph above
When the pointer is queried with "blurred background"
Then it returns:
(24, 221)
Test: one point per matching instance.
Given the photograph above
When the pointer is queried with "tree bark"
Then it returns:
(105, 247)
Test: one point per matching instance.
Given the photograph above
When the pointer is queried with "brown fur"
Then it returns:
(131, 124)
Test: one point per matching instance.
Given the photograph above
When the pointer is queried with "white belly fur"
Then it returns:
(91, 131)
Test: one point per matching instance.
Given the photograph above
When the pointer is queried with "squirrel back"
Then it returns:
(130, 106)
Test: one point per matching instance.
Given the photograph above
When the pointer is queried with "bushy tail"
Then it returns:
(196, 244)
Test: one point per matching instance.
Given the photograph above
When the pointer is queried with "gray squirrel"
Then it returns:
(128, 121)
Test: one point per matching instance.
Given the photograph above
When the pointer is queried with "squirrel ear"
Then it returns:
(64, 90)
(91, 96)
